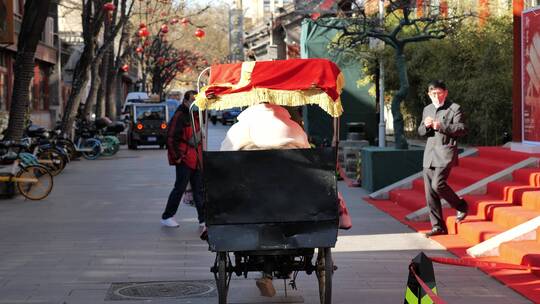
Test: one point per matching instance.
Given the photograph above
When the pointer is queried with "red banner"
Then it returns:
(530, 56)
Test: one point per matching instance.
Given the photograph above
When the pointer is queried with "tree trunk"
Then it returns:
(80, 80)
(401, 94)
(110, 100)
(100, 106)
(95, 82)
(33, 22)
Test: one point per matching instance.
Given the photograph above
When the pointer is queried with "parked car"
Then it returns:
(229, 116)
(147, 124)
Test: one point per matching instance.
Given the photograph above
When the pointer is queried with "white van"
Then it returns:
(131, 98)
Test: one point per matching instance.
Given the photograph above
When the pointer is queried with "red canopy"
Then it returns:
(293, 82)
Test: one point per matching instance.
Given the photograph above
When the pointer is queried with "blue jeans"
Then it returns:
(185, 175)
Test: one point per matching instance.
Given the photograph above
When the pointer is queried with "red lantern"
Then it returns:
(109, 7)
(144, 33)
(164, 29)
(125, 67)
(185, 21)
(199, 33)
(139, 50)
(174, 21)
(142, 25)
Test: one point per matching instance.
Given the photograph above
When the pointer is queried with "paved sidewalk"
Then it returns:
(101, 226)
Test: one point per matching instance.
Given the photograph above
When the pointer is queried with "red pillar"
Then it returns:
(516, 73)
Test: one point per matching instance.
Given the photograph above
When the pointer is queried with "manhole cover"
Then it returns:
(169, 289)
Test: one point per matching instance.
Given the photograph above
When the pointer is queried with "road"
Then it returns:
(99, 231)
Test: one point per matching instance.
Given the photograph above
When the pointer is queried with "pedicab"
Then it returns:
(271, 210)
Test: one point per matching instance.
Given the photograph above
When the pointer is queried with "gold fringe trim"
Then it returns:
(278, 97)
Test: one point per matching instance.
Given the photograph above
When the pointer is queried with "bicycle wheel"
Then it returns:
(54, 161)
(223, 277)
(91, 148)
(109, 146)
(325, 270)
(70, 148)
(34, 182)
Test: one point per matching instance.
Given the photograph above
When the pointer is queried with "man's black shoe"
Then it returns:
(436, 231)
(461, 215)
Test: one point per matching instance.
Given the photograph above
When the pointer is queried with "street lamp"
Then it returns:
(382, 123)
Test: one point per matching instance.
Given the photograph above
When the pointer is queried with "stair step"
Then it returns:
(466, 176)
(521, 252)
(531, 200)
(511, 216)
(485, 165)
(527, 176)
(498, 153)
(473, 229)
(418, 184)
(504, 189)
(410, 199)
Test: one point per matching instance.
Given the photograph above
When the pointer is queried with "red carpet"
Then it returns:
(505, 205)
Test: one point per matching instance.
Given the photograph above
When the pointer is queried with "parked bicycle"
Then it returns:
(33, 180)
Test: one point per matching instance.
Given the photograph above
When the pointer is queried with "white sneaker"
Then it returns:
(170, 222)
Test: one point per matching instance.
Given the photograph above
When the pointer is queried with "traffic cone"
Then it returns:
(414, 294)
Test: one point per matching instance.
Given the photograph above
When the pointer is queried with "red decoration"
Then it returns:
(185, 21)
(144, 33)
(164, 14)
(125, 67)
(164, 28)
(142, 25)
(109, 6)
(139, 50)
(161, 60)
(174, 21)
(147, 43)
(199, 33)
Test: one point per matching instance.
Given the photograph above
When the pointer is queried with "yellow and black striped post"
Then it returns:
(414, 294)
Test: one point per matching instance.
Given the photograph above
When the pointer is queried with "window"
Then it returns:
(3, 90)
(150, 113)
(39, 89)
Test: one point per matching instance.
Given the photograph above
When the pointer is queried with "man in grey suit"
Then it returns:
(442, 124)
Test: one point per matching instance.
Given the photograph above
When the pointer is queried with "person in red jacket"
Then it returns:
(183, 152)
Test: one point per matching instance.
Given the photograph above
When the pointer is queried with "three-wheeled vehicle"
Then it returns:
(147, 123)
(272, 211)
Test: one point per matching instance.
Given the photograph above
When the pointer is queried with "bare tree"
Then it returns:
(94, 15)
(401, 27)
(33, 22)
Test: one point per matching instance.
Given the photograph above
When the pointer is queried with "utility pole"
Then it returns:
(382, 123)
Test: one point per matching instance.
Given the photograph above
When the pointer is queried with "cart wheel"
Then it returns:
(223, 278)
(325, 270)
